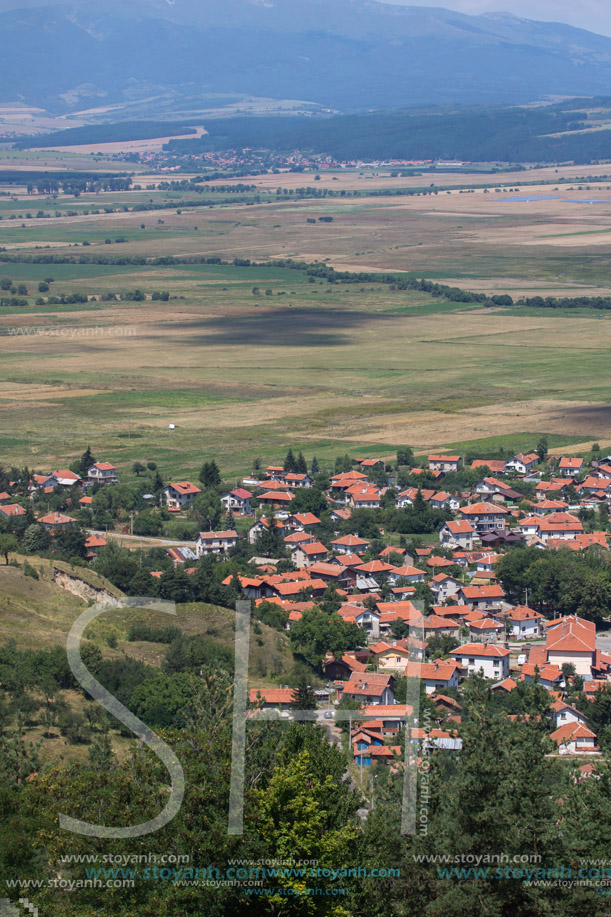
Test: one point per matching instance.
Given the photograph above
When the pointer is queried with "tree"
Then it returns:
(303, 696)
(301, 466)
(207, 509)
(86, 461)
(309, 500)
(290, 462)
(138, 468)
(318, 633)
(8, 543)
(405, 456)
(296, 817)
(210, 475)
(542, 448)
(36, 538)
(70, 542)
(175, 586)
(117, 564)
(314, 467)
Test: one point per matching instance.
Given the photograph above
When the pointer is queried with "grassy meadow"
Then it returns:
(245, 361)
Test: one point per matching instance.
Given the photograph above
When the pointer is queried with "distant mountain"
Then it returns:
(348, 55)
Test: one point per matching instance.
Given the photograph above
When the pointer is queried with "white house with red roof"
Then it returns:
(349, 544)
(406, 572)
(482, 598)
(523, 464)
(441, 673)
(180, 495)
(67, 478)
(488, 658)
(575, 739)
(457, 534)
(102, 473)
(485, 517)
(524, 622)
(215, 542)
(572, 640)
(571, 467)
(564, 713)
(444, 462)
(238, 501)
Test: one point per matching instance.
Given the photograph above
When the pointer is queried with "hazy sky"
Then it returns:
(594, 15)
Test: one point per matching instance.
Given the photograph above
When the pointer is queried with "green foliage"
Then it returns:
(318, 632)
(558, 582)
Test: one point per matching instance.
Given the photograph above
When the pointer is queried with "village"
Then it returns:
(431, 608)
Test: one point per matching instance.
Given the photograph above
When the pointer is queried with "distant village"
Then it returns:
(436, 610)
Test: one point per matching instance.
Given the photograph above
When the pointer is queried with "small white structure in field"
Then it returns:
(171, 426)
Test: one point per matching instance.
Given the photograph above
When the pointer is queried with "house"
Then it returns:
(548, 676)
(563, 713)
(12, 511)
(496, 466)
(66, 478)
(371, 687)
(497, 491)
(444, 500)
(409, 573)
(557, 526)
(523, 622)
(441, 673)
(523, 464)
(276, 498)
(572, 640)
(361, 497)
(297, 480)
(444, 587)
(180, 556)
(376, 569)
(102, 473)
(366, 618)
(349, 544)
(304, 555)
(433, 625)
(489, 659)
(444, 462)
(575, 739)
(391, 716)
(275, 472)
(570, 467)
(308, 522)
(485, 598)
(390, 656)
(457, 534)
(407, 497)
(486, 630)
(55, 521)
(238, 501)
(93, 545)
(215, 542)
(342, 668)
(271, 698)
(485, 517)
(180, 495)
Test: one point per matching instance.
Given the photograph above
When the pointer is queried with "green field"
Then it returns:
(247, 360)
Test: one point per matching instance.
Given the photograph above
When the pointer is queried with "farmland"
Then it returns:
(244, 360)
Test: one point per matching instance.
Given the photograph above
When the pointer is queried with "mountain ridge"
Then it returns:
(350, 55)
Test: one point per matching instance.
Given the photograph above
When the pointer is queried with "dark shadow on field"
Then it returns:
(591, 422)
(286, 327)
